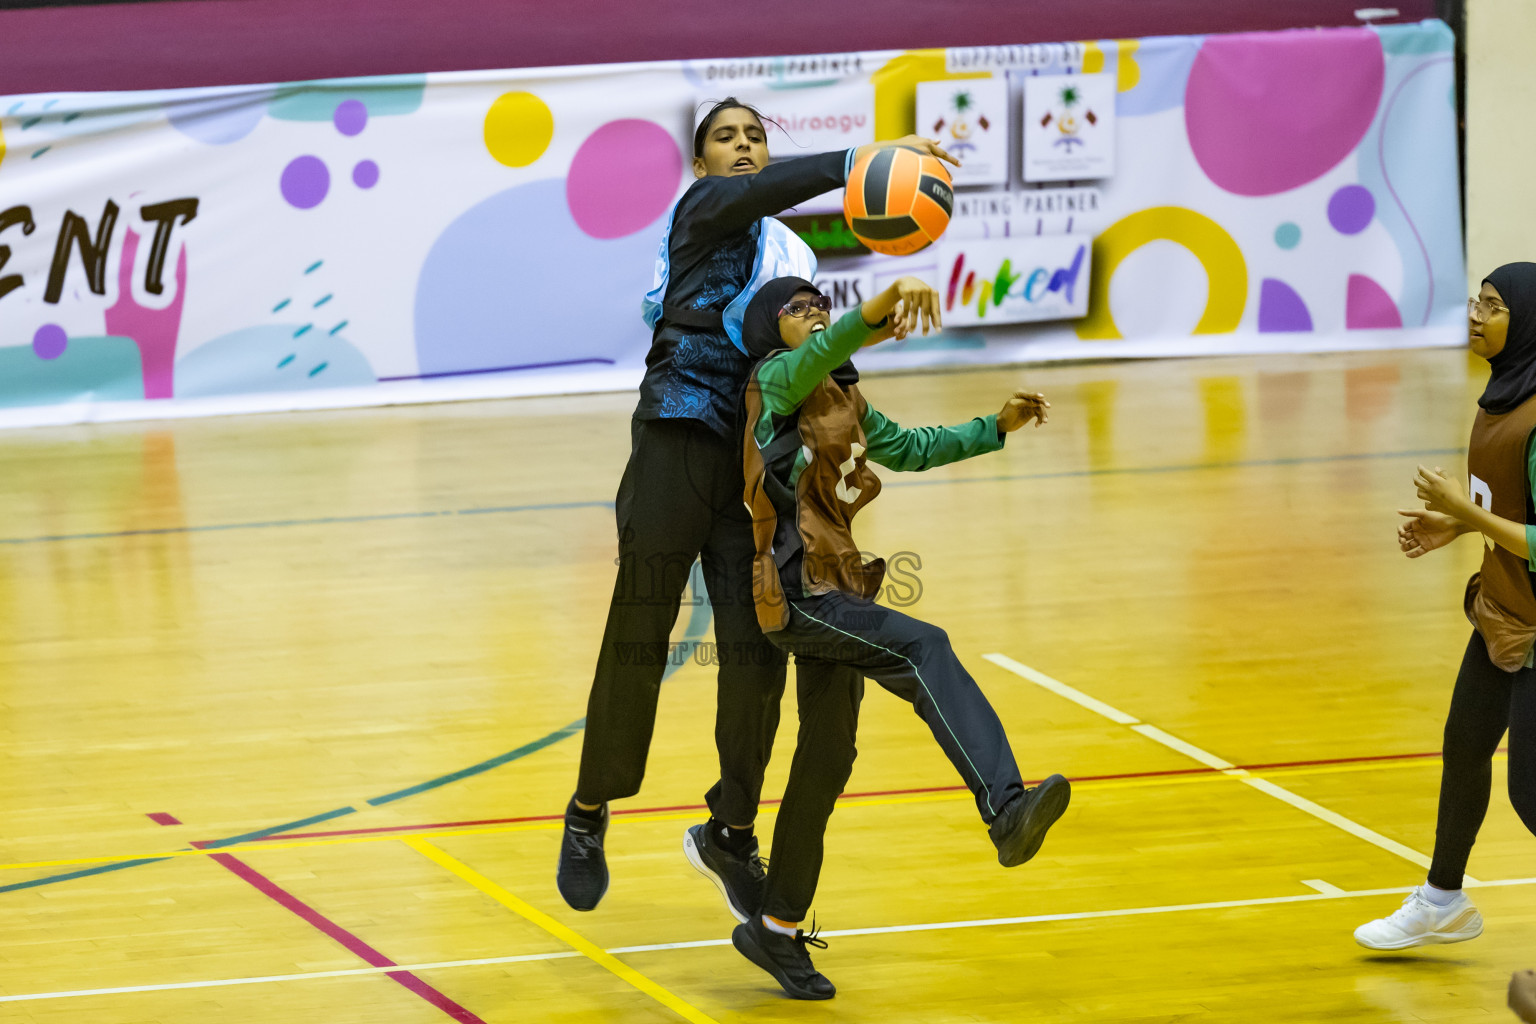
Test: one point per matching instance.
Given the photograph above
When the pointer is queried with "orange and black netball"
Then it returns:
(898, 200)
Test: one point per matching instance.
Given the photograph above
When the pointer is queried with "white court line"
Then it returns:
(1061, 689)
(1330, 893)
(1210, 760)
(307, 976)
(1327, 888)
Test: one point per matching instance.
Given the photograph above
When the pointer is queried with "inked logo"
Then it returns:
(1006, 283)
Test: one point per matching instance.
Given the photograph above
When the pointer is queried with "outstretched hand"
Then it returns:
(1425, 531)
(917, 142)
(913, 303)
(1020, 409)
(917, 302)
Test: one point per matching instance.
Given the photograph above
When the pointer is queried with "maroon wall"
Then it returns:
(223, 42)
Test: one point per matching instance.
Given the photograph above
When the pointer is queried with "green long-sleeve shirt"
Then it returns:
(1530, 530)
(788, 378)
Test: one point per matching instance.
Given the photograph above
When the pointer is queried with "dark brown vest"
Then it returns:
(804, 537)
(1499, 600)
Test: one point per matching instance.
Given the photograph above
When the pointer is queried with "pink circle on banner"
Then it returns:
(50, 341)
(623, 177)
(1267, 113)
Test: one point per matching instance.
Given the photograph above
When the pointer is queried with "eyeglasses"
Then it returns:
(1480, 311)
(803, 307)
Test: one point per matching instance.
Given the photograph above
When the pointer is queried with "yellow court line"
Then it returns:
(639, 819)
(585, 947)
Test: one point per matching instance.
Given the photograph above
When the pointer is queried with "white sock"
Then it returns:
(774, 926)
(1439, 897)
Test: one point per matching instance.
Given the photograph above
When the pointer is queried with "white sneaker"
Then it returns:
(1419, 922)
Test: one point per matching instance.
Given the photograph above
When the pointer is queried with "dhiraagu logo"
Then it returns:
(1012, 280)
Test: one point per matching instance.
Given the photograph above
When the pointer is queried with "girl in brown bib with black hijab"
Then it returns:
(1496, 687)
(808, 439)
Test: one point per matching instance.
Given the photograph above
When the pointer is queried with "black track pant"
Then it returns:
(680, 499)
(1487, 700)
(836, 640)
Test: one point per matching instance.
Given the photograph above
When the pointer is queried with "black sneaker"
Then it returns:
(1020, 829)
(740, 877)
(582, 877)
(785, 958)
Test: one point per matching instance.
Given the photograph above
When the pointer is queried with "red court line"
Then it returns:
(384, 829)
(355, 945)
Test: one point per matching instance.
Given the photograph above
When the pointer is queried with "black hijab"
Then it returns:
(1514, 368)
(760, 323)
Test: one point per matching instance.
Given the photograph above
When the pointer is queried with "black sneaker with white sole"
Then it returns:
(1020, 829)
(740, 877)
(582, 877)
(784, 957)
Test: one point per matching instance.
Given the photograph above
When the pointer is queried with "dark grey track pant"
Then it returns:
(837, 640)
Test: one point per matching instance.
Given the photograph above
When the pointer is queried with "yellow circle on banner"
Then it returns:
(1093, 57)
(518, 128)
(1225, 268)
(2, 144)
(1127, 71)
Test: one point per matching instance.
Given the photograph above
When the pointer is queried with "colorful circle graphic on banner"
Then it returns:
(623, 177)
(50, 341)
(351, 117)
(1267, 113)
(1281, 308)
(487, 300)
(1225, 268)
(1367, 306)
(518, 128)
(305, 182)
(1351, 208)
(1288, 235)
(365, 174)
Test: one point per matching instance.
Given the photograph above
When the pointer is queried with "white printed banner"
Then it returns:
(422, 237)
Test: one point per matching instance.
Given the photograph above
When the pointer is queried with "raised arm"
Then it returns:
(925, 447)
(787, 378)
(918, 448)
(717, 206)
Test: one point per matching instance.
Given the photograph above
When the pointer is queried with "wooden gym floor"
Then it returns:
(291, 705)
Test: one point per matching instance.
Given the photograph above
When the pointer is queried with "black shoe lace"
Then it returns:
(758, 866)
(584, 844)
(810, 938)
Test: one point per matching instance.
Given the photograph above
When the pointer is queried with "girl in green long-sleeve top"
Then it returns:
(808, 437)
